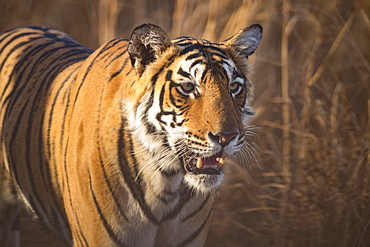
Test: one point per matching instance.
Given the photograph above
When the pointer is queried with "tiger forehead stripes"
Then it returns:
(122, 146)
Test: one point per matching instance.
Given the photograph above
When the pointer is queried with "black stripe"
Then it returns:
(62, 84)
(129, 71)
(76, 224)
(204, 75)
(78, 230)
(81, 240)
(132, 182)
(195, 234)
(161, 104)
(150, 128)
(60, 224)
(215, 54)
(6, 34)
(195, 63)
(39, 60)
(215, 48)
(28, 166)
(189, 48)
(104, 49)
(176, 102)
(167, 173)
(43, 87)
(110, 44)
(38, 28)
(183, 40)
(149, 103)
(180, 72)
(14, 48)
(50, 147)
(117, 56)
(11, 158)
(103, 165)
(185, 198)
(107, 226)
(194, 56)
(111, 189)
(201, 48)
(120, 70)
(18, 65)
(10, 143)
(32, 202)
(197, 210)
(44, 168)
(34, 50)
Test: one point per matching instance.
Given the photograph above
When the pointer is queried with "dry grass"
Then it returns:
(312, 84)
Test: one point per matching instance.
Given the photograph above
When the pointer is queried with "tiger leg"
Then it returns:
(9, 235)
(9, 211)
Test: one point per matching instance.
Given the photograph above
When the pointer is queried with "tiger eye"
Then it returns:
(235, 87)
(188, 87)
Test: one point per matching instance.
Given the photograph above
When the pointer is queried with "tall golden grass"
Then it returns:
(309, 185)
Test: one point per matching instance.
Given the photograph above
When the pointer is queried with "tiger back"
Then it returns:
(122, 146)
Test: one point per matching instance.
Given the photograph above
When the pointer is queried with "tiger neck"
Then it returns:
(162, 188)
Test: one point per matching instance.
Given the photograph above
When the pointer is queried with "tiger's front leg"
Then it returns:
(9, 211)
(9, 229)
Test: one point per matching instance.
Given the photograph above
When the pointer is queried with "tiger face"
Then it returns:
(196, 100)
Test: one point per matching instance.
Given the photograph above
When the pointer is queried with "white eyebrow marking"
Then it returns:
(196, 71)
(229, 68)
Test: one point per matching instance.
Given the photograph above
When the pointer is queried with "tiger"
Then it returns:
(124, 145)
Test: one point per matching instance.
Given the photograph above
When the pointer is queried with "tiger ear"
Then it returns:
(245, 41)
(147, 42)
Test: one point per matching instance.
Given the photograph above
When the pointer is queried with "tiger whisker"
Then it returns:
(167, 157)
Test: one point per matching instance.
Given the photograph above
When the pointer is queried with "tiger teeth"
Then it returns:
(199, 163)
(221, 161)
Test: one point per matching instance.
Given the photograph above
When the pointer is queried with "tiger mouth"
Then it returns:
(205, 165)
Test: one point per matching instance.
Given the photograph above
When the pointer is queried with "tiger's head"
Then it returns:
(193, 100)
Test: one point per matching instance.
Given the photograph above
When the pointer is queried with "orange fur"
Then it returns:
(94, 144)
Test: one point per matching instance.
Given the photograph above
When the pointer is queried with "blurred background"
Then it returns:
(307, 182)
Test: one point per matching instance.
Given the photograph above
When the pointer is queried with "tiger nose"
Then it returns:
(223, 138)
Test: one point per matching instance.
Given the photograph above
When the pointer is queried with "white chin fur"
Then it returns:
(203, 183)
